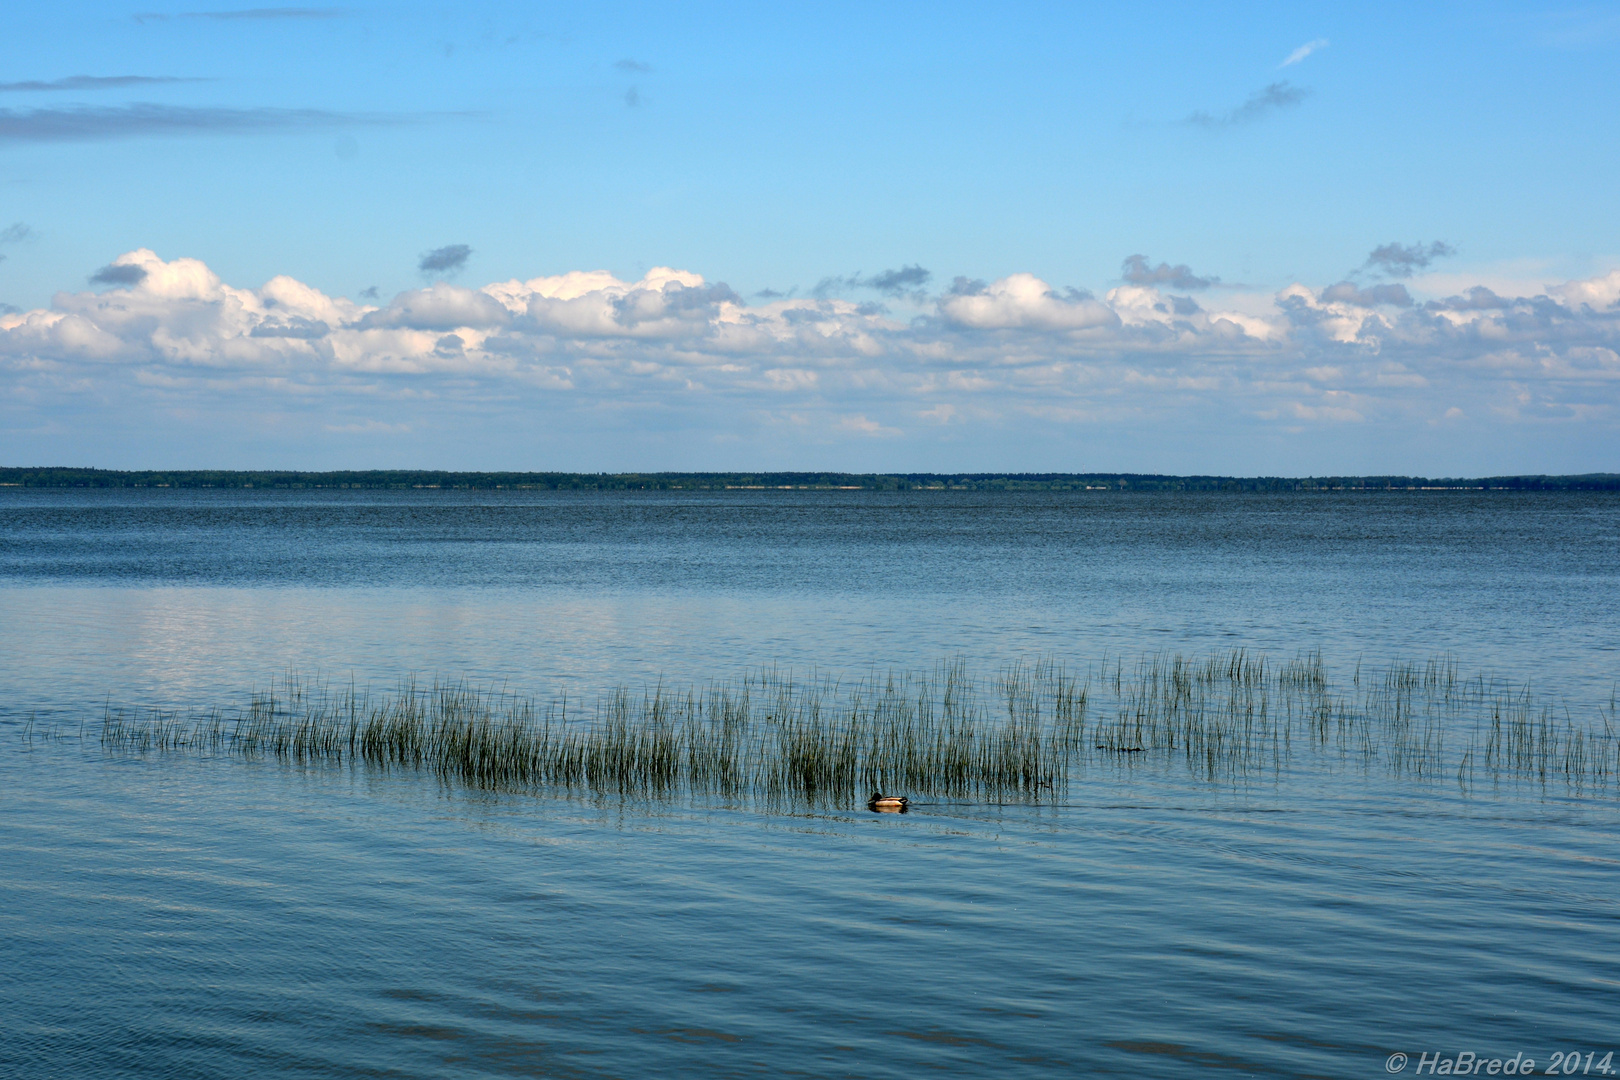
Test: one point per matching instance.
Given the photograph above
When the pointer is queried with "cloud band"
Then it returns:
(1008, 352)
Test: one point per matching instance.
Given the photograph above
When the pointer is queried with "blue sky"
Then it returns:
(802, 169)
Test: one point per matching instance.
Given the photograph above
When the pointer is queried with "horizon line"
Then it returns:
(56, 476)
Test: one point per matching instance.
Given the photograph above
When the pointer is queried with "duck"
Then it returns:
(880, 803)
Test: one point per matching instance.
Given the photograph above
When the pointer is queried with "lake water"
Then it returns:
(193, 915)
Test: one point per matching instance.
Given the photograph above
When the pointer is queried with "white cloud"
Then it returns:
(439, 307)
(689, 353)
(1024, 301)
(860, 425)
(1303, 51)
(1602, 293)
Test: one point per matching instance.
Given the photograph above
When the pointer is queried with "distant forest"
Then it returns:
(404, 479)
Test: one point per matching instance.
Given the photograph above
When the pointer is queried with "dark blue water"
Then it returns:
(182, 915)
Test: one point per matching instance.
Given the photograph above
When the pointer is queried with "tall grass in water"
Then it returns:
(1026, 734)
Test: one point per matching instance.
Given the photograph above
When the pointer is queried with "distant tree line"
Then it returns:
(407, 479)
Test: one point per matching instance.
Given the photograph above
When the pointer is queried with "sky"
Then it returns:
(1253, 239)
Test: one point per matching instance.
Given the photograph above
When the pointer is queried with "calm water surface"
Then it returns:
(181, 916)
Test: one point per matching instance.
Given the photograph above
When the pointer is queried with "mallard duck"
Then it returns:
(880, 803)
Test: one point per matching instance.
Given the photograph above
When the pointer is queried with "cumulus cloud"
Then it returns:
(438, 307)
(295, 326)
(1404, 260)
(1303, 51)
(1599, 293)
(1023, 301)
(896, 282)
(1136, 270)
(1260, 104)
(1346, 292)
(1013, 351)
(119, 273)
(1477, 298)
(449, 259)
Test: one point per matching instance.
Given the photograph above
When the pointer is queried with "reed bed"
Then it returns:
(1027, 734)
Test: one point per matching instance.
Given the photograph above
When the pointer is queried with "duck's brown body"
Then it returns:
(887, 804)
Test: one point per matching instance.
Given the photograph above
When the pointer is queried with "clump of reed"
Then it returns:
(766, 733)
(1026, 734)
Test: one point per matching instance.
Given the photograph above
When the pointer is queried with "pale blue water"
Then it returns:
(184, 916)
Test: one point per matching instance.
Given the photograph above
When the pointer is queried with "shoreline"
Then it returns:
(429, 479)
